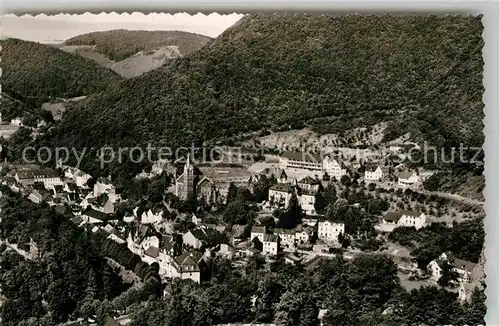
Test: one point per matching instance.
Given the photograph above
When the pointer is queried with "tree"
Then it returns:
(449, 276)
(345, 180)
(371, 186)
(320, 202)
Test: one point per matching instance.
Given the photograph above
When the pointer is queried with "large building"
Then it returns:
(329, 231)
(404, 219)
(312, 163)
(373, 172)
(305, 190)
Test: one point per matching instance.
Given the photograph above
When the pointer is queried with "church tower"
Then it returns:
(188, 178)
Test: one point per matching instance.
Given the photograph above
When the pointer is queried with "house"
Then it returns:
(462, 267)
(329, 231)
(79, 177)
(24, 177)
(312, 163)
(92, 216)
(404, 219)
(334, 167)
(39, 195)
(270, 245)
(287, 237)
(187, 266)
(280, 195)
(227, 251)
(303, 234)
(301, 161)
(373, 172)
(153, 215)
(407, 179)
(49, 178)
(197, 238)
(103, 204)
(258, 232)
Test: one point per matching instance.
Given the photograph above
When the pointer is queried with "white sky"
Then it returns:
(57, 28)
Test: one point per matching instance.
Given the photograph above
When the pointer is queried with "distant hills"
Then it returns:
(132, 53)
(38, 71)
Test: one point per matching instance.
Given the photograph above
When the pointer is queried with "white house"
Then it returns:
(287, 237)
(404, 219)
(407, 179)
(373, 172)
(303, 234)
(329, 230)
(153, 215)
(280, 195)
(257, 232)
(77, 175)
(334, 168)
(187, 266)
(270, 245)
(462, 267)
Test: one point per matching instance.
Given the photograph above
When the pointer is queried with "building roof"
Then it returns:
(392, 216)
(302, 156)
(310, 181)
(271, 237)
(95, 214)
(371, 167)
(283, 231)
(281, 187)
(258, 229)
(188, 260)
(152, 252)
(405, 174)
(24, 174)
(395, 216)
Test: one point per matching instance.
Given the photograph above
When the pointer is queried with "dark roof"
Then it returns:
(392, 216)
(76, 220)
(258, 229)
(283, 187)
(405, 174)
(201, 234)
(152, 252)
(302, 156)
(96, 214)
(24, 174)
(395, 216)
(283, 231)
(310, 181)
(271, 237)
(371, 167)
(188, 261)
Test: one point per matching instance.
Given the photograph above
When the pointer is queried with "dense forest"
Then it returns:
(39, 71)
(67, 275)
(120, 44)
(421, 74)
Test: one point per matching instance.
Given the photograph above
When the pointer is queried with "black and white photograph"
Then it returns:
(277, 169)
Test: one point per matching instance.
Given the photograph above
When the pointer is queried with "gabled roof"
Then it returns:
(188, 261)
(371, 167)
(258, 229)
(284, 231)
(24, 174)
(152, 252)
(281, 187)
(95, 214)
(405, 174)
(271, 237)
(310, 181)
(392, 216)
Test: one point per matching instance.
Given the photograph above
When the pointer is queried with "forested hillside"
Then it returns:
(120, 44)
(40, 71)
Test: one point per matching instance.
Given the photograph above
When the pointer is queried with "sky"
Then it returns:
(57, 28)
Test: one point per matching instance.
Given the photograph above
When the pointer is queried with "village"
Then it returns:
(152, 232)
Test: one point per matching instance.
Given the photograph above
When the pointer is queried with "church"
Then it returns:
(188, 183)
